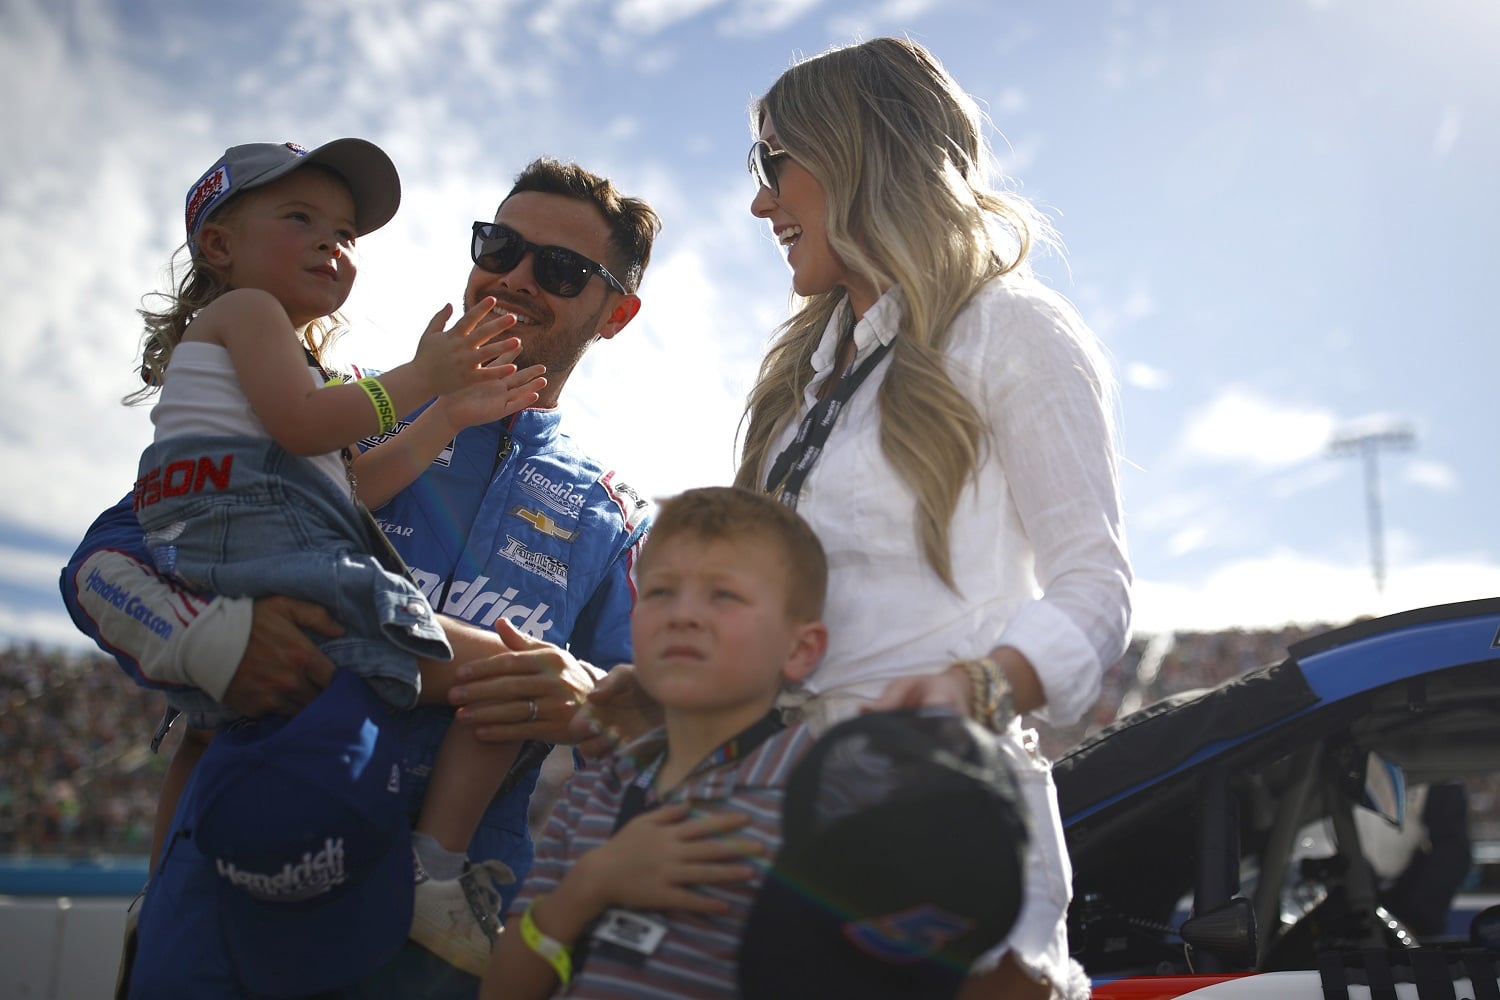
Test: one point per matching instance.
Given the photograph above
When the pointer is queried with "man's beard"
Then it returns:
(557, 348)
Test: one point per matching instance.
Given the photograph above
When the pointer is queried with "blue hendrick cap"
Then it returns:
(304, 823)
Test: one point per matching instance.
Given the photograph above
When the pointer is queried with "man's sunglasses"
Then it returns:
(497, 248)
(762, 164)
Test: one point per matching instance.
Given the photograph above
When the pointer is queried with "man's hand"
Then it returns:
(530, 692)
(617, 711)
(282, 670)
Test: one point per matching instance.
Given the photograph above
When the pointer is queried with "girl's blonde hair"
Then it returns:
(899, 150)
(201, 282)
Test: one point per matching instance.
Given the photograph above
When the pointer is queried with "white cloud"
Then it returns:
(1010, 101)
(753, 18)
(50, 628)
(1286, 588)
(1241, 426)
(876, 19)
(1139, 375)
(648, 17)
(28, 567)
(1447, 132)
(1187, 540)
(1435, 476)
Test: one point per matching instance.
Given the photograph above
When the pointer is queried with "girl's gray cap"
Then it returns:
(370, 174)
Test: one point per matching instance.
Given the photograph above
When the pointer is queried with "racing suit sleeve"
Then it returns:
(601, 633)
(162, 634)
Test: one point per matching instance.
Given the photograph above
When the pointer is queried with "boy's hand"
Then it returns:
(659, 857)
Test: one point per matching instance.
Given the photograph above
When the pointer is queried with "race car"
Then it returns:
(1303, 830)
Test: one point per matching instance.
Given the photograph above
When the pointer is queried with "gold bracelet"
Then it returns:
(1002, 703)
(551, 950)
(980, 695)
(385, 409)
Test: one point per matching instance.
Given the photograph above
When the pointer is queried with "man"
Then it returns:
(511, 521)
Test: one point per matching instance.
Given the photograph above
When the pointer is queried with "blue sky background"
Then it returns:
(1280, 217)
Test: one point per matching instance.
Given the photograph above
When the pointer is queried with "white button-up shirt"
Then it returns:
(1036, 541)
(1037, 545)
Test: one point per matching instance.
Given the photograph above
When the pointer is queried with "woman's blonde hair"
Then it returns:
(200, 283)
(900, 152)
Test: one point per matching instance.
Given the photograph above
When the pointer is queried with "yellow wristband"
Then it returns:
(553, 951)
(385, 409)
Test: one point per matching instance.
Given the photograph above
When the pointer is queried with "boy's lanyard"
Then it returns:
(633, 803)
(791, 467)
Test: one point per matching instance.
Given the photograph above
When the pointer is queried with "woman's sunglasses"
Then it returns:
(762, 164)
(497, 248)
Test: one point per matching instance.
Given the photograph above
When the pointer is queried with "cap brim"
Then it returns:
(287, 951)
(370, 174)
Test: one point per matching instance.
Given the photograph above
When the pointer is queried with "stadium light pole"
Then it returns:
(1367, 444)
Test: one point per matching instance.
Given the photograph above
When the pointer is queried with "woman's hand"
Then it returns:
(949, 689)
(617, 711)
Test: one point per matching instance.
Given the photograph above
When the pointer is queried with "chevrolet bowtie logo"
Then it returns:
(541, 522)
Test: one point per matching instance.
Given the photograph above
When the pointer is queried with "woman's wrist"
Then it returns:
(991, 699)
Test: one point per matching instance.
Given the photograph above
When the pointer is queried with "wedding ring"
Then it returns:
(531, 708)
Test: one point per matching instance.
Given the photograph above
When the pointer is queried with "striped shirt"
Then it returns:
(696, 958)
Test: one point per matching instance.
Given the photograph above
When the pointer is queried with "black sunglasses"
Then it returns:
(497, 248)
(762, 164)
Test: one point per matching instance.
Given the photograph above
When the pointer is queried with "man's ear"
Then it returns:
(808, 645)
(623, 313)
(214, 244)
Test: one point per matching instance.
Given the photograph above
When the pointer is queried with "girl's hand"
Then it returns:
(489, 401)
(468, 353)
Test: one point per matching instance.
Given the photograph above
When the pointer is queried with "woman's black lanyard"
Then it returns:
(791, 467)
(633, 803)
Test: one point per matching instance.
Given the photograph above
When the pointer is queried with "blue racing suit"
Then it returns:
(511, 520)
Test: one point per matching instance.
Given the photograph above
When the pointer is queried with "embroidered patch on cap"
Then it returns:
(206, 194)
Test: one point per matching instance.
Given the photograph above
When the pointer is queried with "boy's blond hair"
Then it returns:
(732, 514)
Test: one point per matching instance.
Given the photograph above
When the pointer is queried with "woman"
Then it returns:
(943, 422)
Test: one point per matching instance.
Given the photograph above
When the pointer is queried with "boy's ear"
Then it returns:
(214, 244)
(808, 646)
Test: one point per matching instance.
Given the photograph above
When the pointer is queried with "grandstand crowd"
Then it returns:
(77, 775)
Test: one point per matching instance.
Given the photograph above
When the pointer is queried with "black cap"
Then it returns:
(901, 863)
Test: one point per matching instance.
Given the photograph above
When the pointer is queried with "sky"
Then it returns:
(1279, 217)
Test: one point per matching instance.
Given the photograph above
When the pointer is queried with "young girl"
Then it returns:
(250, 487)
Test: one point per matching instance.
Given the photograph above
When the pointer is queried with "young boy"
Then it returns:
(652, 857)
